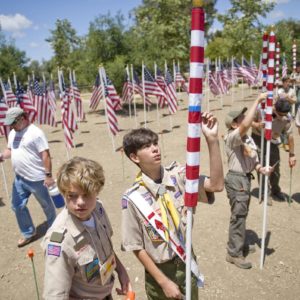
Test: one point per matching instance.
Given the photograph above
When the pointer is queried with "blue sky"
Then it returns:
(29, 21)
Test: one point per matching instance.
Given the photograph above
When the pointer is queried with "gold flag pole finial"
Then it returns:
(197, 3)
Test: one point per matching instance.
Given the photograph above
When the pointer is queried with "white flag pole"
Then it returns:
(133, 93)
(144, 94)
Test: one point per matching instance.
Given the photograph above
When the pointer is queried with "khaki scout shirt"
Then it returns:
(279, 126)
(71, 265)
(241, 152)
(296, 76)
(137, 233)
(297, 118)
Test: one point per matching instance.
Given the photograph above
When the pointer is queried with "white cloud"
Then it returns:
(277, 14)
(33, 45)
(15, 24)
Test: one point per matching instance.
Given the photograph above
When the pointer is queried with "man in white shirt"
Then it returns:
(29, 152)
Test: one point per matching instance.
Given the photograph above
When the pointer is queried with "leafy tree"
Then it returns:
(63, 41)
(242, 28)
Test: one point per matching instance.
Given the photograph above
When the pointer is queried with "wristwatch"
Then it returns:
(48, 174)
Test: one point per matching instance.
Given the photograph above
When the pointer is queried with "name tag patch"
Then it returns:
(54, 250)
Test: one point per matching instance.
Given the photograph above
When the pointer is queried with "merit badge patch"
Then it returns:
(148, 197)
(178, 194)
(92, 270)
(174, 180)
(124, 202)
(54, 250)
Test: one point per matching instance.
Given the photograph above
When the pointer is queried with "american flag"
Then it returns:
(110, 108)
(284, 66)
(151, 86)
(25, 103)
(97, 94)
(75, 93)
(248, 72)
(68, 117)
(161, 82)
(127, 91)
(240, 71)
(179, 80)
(113, 95)
(45, 114)
(213, 85)
(4, 130)
(171, 92)
(138, 89)
(9, 96)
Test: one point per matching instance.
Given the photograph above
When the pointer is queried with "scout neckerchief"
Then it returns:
(166, 205)
(157, 222)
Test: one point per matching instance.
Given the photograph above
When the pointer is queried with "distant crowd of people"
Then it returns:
(80, 260)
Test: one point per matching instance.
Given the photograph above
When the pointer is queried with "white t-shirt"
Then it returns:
(26, 146)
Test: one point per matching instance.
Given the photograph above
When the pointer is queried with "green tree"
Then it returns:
(63, 41)
(242, 28)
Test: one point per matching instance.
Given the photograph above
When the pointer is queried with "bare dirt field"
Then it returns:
(280, 277)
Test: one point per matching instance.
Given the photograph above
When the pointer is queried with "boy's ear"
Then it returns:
(134, 158)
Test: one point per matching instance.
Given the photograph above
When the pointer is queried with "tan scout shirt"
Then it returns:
(241, 152)
(72, 252)
(297, 118)
(279, 126)
(296, 77)
(137, 233)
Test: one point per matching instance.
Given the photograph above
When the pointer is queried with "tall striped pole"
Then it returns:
(268, 133)
(277, 64)
(194, 128)
(294, 49)
(264, 89)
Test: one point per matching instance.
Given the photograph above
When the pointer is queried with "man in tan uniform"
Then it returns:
(281, 124)
(242, 160)
(164, 270)
(79, 255)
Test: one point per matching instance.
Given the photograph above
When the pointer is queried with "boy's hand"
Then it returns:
(262, 97)
(209, 125)
(124, 282)
(171, 290)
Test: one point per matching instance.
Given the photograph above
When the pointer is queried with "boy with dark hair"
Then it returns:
(79, 255)
(159, 192)
(281, 124)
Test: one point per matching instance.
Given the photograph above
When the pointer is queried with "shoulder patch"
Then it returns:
(124, 202)
(57, 237)
(53, 250)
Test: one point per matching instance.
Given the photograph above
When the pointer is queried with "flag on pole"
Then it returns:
(110, 108)
(9, 95)
(75, 93)
(112, 93)
(284, 66)
(138, 88)
(162, 101)
(171, 92)
(25, 103)
(179, 80)
(127, 91)
(4, 130)
(97, 94)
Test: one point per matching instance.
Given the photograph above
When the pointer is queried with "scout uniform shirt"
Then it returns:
(241, 152)
(73, 252)
(137, 233)
(279, 126)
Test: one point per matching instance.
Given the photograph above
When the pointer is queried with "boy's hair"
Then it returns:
(285, 78)
(137, 139)
(85, 174)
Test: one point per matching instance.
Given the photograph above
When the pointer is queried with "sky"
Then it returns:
(29, 22)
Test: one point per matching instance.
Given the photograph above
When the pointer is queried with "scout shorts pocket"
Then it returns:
(240, 204)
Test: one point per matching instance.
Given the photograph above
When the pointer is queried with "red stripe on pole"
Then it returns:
(194, 117)
(195, 85)
(268, 134)
(193, 144)
(197, 19)
(268, 118)
(191, 199)
(192, 172)
(197, 54)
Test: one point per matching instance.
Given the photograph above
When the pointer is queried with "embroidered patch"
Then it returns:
(152, 233)
(174, 180)
(148, 197)
(124, 202)
(177, 195)
(92, 270)
(54, 250)
(101, 210)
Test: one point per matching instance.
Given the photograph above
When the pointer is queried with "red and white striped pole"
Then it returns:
(294, 49)
(264, 89)
(268, 132)
(194, 128)
(277, 64)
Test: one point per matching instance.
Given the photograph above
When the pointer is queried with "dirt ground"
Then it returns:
(280, 277)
